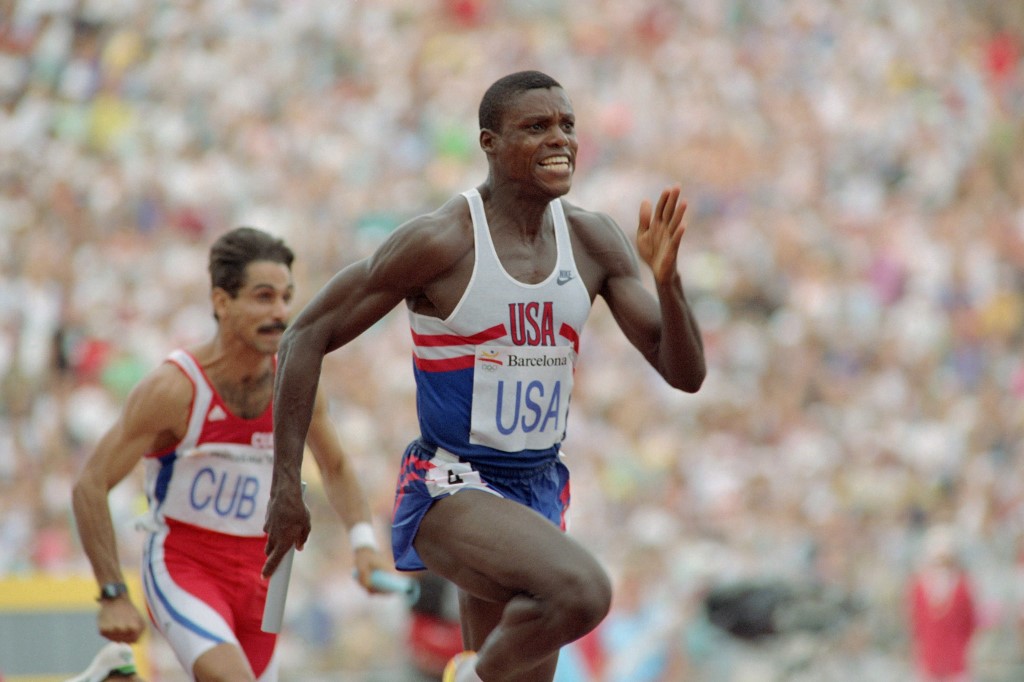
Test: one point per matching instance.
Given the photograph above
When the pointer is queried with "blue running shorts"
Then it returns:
(428, 474)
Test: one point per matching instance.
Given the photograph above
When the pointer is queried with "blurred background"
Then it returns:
(854, 254)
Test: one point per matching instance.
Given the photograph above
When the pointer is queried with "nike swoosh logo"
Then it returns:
(563, 277)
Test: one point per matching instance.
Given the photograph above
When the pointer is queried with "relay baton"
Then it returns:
(277, 591)
(395, 583)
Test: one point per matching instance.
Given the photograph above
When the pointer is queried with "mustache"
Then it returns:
(276, 327)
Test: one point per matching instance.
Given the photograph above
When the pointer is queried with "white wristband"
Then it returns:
(361, 535)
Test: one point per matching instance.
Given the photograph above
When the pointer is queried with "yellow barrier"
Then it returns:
(48, 627)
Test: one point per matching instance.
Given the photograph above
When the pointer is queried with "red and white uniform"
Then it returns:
(202, 560)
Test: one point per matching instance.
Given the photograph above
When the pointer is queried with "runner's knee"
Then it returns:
(223, 663)
(584, 600)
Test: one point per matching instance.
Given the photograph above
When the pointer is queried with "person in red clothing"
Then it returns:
(201, 423)
(943, 612)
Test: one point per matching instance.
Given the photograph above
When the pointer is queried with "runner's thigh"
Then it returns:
(495, 548)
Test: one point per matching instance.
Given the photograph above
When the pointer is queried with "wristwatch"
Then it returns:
(112, 591)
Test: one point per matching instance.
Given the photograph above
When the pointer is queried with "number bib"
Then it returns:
(223, 487)
(520, 396)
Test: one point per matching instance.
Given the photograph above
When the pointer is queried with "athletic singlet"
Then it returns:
(218, 476)
(493, 380)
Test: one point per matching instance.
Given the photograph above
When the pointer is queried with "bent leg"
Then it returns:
(479, 620)
(198, 611)
(530, 588)
(223, 663)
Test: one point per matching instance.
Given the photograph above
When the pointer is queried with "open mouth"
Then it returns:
(557, 163)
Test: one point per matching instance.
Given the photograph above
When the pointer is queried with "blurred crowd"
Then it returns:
(854, 254)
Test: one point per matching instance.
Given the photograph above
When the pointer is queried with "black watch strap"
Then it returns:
(112, 590)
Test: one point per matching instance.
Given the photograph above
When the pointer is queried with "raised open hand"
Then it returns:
(659, 233)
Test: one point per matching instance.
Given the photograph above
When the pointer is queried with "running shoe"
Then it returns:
(115, 658)
(461, 668)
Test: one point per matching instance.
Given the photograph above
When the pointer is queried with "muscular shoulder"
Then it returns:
(426, 247)
(160, 401)
(439, 235)
(600, 246)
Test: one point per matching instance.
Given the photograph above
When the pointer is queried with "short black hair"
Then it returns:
(498, 97)
(235, 249)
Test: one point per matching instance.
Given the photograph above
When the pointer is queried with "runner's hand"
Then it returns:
(659, 233)
(120, 621)
(287, 526)
(369, 560)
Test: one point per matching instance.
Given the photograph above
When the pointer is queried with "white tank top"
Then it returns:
(494, 379)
